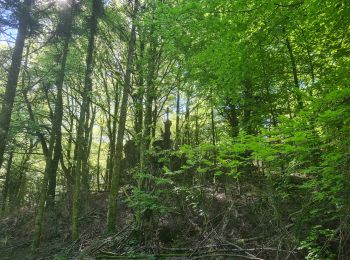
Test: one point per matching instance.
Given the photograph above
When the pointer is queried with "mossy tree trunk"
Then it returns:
(112, 204)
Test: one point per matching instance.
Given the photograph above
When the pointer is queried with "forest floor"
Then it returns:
(233, 227)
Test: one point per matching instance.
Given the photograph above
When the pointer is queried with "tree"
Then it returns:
(53, 151)
(117, 170)
(23, 11)
(83, 131)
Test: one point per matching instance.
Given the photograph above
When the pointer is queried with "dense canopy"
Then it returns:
(174, 129)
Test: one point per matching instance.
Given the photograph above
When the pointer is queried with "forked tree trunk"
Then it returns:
(48, 185)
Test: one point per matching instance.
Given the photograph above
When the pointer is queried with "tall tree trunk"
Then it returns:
(12, 76)
(147, 121)
(112, 205)
(48, 185)
(112, 144)
(82, 136)
(138, 99)
(150, 92)
(112, 138)
(112, 130)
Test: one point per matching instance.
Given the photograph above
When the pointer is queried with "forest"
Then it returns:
(174, 129)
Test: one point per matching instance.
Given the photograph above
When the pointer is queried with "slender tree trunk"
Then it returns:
(247, 123)
(56, 135)
(139, 101)
(295, 74)
(88, 134)
(213, 129)
(82, 141)
(108, 172)
(69, 169)
(177, 124)
(167, 132)
(309, 56)
(112, 138)
(148, 121)
(6, 184)
(154, 120)
(112, 205)
(150, 92)
(112, 130)
(187, 121)
(12, 76)
(98, 160)
(48, 185)
(16, 192)
(197, 128)
(42, 199)
(39, 134)
(213, 133)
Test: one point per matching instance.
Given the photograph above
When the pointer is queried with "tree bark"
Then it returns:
(13, 74)
(82, 135)
(150, 92)
(112, 205)
(48, 185)
(6, 184)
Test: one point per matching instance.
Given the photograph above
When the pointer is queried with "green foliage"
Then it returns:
(312, 244)
(263, 101)
(149, 195)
